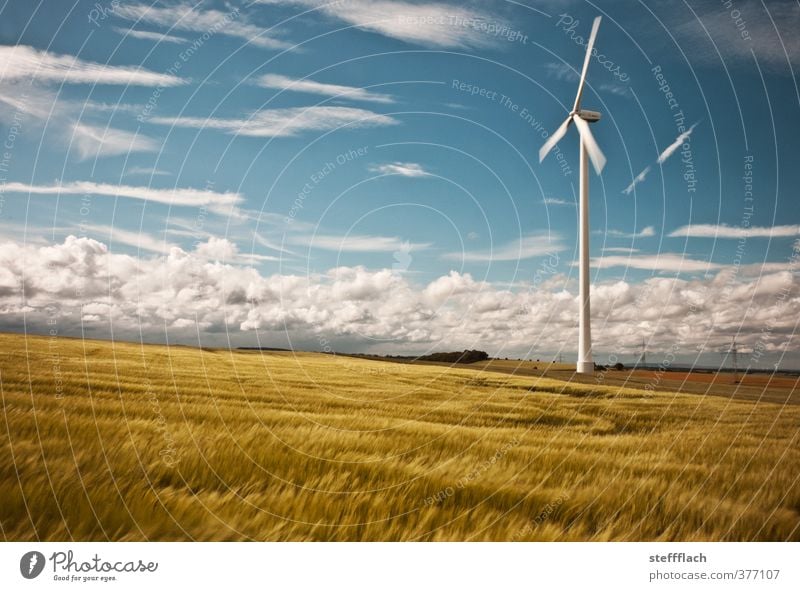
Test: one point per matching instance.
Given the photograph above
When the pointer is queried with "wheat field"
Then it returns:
(119, 441)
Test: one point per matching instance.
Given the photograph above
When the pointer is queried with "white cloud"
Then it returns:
(185, 17)
(665, 154)
(524, 248)
(409, 169)
(149, 35)
(355, 243)
(646, 232)
(284, 122)
(146, 171)
(86, 139)
(92, 142)
(557, 201)
(314, 87)
(178, 197)
(139, 240)
(670, 150)
(637, 179)
(666, 262)
(624, 249)
(21, 62)
(426, 23)
(725, 231)
(89, 286)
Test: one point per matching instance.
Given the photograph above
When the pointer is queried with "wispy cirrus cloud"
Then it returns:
(188, 17)
(139, 240)
(146, 171)
(313, 87)
(62, 126)
(408, 169)
(636, 180)
(646, 232)
(670, 150)
(21, 62)
(526, 247)
(726, 231)
(666, 262)
(356, 243)
(150, 36)
(557, 201)
(433, 24)
(179, 197)
(284, 122)
(91, 141)
(665, 154)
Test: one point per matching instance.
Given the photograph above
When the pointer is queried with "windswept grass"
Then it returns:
(122, 442)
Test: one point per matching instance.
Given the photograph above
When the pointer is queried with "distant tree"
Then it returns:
(618, 366)
(467, 356)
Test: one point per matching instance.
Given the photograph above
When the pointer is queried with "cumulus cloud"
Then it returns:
(725, 231)
(313, 87)
(89, 285)
(284, 122)
(409, 169)
(20, 62)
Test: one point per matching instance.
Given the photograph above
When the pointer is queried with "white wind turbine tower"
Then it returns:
(589, 151)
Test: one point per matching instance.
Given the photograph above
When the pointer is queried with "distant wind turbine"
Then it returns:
(589, 150)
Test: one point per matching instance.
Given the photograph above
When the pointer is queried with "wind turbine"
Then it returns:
(589, 151)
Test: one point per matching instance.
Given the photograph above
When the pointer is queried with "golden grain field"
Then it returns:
(118, 441)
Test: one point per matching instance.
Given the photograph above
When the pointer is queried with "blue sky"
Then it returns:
(397, 142)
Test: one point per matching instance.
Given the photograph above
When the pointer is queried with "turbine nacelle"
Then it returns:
(590, 116)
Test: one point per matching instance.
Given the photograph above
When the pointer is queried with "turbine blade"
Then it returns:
(589, 46)
(595, 154)
(554, 139)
